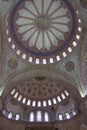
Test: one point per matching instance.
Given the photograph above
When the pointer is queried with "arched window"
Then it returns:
(46, 116)
(31, 116)
(5, 113)
(73, 112)
(54, 101)
(39, 103)
(34, 103)
(63, 96)
(39, 116)
(28, 102)
(59, 99)
(20, 97)
(60, 117)
(24, 100)
(44, 103)
(17, 117)
(49, 102)
(13, 91)
(16, 95)
(67, 115)
(10, 115)
(66, 93)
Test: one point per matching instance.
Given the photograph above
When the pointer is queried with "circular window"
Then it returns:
(43, 31)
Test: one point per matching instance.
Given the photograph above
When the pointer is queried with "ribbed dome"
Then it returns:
(43, 31)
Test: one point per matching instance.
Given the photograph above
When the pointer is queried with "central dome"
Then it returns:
(42, 28)
(43, 31)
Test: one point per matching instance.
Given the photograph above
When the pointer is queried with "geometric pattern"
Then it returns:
(43, 31)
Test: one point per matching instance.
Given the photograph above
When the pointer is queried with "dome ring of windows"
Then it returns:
(39, 103)
(40, 116)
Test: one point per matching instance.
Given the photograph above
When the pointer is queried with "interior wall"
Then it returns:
(39, 128)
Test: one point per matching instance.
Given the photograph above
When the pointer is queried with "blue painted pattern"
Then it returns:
(50, 52)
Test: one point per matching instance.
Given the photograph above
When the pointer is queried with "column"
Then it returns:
(83, 109)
